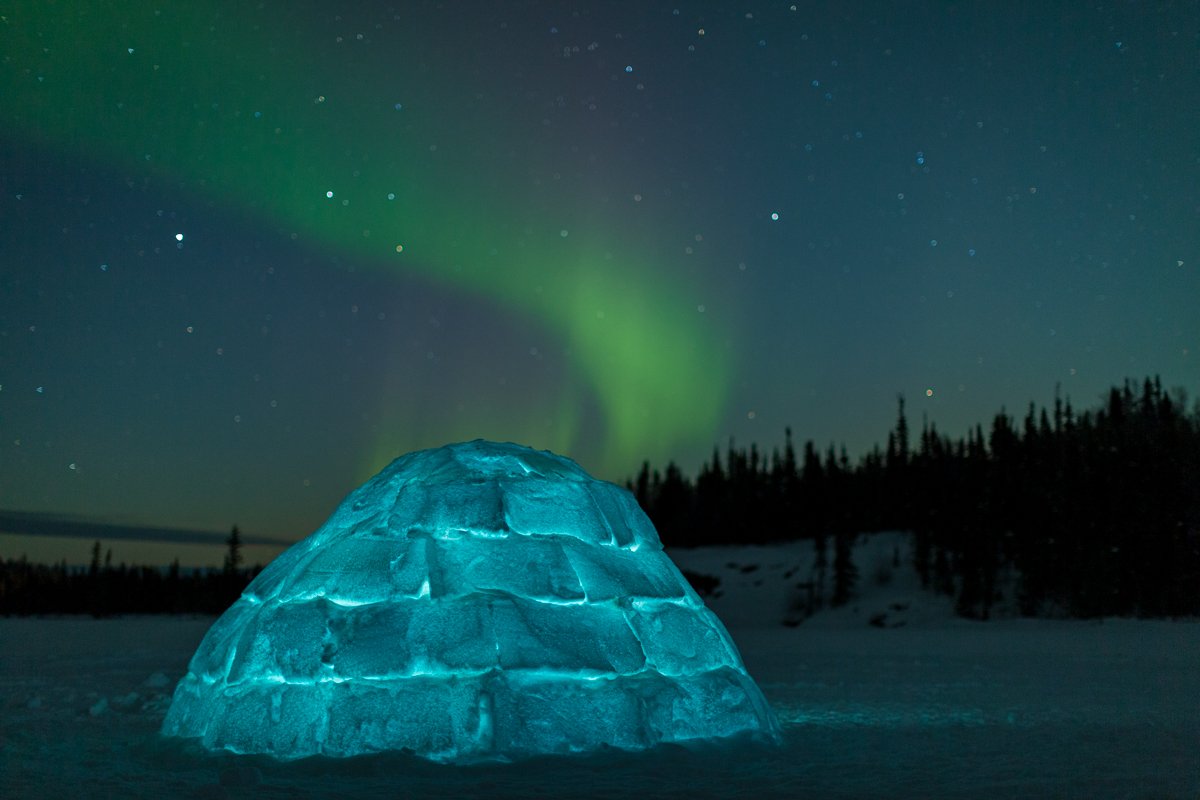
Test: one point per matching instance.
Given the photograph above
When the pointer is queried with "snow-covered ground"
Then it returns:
(920, 704)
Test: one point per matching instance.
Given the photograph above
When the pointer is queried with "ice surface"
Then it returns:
(474, 602)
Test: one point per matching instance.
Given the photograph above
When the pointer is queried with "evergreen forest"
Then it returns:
(1059, 512)
(1088, 514)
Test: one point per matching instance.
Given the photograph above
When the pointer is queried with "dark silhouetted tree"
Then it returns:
(845, 574)
(233, 551)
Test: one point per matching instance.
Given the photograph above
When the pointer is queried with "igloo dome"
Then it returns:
(475, 601)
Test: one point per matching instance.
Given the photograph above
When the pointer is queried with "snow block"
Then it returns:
(478, 601)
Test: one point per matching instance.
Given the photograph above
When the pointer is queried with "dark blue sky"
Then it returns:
(975, 204)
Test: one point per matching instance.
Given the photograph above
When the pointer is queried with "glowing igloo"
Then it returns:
(475, 601)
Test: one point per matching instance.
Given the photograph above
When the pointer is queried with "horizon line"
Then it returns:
(74, 526)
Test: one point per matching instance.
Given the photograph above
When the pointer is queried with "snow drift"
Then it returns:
(472, 602)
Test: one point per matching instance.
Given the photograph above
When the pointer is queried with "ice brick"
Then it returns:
(681, 640)
(444, 719)
(537, 508)
(724, 702)
(610, 573)
(270, 718)
(286, 642)
(569, 638)
(413, 638)
(219, 646)
(449, 510)
(361, 570)
(539, 715)
(517, 566)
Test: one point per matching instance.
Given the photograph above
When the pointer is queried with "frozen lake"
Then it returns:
(944, 708)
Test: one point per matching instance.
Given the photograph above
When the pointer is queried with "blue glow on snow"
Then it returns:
(478, 601)
(883, 716)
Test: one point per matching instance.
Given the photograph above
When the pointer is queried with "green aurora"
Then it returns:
(419, 174)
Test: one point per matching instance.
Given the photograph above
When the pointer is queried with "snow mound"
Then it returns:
(764, 586)
(476, 601)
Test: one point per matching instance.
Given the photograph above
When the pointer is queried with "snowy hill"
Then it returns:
(767, 586)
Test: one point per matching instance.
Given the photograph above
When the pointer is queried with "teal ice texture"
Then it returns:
(477, 601)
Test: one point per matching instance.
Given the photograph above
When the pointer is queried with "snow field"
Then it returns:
(939, 707)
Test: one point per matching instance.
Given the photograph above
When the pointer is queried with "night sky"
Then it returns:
(249, 253)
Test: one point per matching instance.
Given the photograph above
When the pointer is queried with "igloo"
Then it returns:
(477, 601)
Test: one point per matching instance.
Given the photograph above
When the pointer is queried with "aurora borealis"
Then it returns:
(619, 231)
(335, 160)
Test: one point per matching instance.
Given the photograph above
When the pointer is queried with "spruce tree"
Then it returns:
(233, 558)
(845, 574)
(820, 564)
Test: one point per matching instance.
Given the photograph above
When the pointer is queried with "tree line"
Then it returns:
(1081, 514)
(102, 589)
